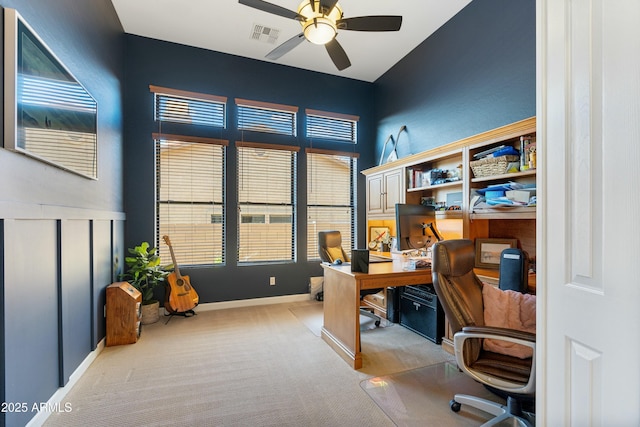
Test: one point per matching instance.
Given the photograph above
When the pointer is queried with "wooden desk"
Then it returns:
(341, 288)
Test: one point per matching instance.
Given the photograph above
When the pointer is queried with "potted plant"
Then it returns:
(145, 273)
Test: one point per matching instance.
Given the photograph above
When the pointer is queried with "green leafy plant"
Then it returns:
(144, 271)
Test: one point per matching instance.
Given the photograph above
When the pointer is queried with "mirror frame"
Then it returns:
(53, 118)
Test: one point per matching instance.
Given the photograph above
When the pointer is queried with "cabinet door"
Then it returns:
(374, 194)
(393, 191)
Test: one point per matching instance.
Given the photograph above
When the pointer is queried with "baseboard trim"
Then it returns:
(253, 302)
(55, 402)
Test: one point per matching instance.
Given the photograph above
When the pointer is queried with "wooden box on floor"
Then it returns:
(123, 314)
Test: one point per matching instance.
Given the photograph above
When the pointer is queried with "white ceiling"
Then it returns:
(226, 26)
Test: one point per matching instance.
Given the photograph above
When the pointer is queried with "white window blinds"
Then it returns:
(266, 117)
(327, 125)
(331, 178)
(190, 198)
(266, 202)
(177, 106)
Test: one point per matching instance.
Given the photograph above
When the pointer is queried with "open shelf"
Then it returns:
(436, 186)
(453, 214)
(523, 212)
(512, 175)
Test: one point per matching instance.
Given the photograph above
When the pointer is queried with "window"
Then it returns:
(190, 198)
(266, 117)
(326, 125)
(280, 219)
(180, 106)
(331, 178)
(266, 189)
(253, 219)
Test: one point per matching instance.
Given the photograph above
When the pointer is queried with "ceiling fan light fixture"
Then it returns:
(319, 30)
(319, 26)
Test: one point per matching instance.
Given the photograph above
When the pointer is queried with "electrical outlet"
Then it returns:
(272, 281)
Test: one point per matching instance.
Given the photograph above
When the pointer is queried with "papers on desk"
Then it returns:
(378, 258)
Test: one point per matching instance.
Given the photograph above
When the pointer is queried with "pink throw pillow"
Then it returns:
(512, 310)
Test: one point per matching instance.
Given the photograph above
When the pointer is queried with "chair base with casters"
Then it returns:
(367, 311)
(371, 315)
(512, 410)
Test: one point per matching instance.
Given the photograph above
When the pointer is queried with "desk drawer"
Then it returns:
(423, 316)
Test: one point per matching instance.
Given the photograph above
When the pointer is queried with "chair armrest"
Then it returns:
(498, 333)
(504, 334)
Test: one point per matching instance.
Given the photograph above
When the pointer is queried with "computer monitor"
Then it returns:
(415, 226)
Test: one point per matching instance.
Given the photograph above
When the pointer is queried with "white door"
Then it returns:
(589, 210)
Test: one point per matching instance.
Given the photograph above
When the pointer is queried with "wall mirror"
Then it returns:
(49, 115)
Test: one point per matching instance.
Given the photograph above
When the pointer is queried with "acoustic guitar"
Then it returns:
(180, 297)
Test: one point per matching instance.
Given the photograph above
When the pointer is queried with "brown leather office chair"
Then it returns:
(330, 249)
(460, 293)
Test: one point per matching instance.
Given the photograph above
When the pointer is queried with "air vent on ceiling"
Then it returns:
(264, 34)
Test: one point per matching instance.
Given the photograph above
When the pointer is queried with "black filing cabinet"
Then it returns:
(421, 312)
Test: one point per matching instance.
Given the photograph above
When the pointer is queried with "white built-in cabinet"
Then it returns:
(384, 190)
(399, 182)
(396, 182)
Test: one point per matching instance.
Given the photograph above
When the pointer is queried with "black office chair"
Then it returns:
(330, 249)
(461, 294)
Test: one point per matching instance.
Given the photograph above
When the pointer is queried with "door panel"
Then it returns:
(393, 190)
(374, 194)
(589, 204)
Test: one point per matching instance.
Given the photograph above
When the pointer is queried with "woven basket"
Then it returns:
(492, 165)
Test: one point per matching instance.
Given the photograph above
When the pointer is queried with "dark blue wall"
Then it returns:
(176, 66)
(60, 233)
(476, 73)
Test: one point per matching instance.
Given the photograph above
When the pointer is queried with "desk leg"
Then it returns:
(341, 329)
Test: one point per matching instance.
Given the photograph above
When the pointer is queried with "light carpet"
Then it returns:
(387, 349)
(248, 366)
(312, 317)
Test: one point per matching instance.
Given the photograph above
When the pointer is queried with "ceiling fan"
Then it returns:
(321, 20)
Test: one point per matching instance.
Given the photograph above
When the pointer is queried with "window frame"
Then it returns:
(257, 108)
(312, 250)
(159, 202)
(268, 226)
(327, 116)
(203, 98)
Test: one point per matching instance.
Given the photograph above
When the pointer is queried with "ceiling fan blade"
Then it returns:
(371, 23)
(327, 5)
(272, 8)
(285, 47)
(338, 55)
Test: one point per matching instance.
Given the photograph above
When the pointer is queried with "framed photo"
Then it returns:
(377, 233)
(48, 114)
(488, 251)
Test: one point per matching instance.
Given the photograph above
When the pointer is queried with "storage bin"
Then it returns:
(490, 166)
